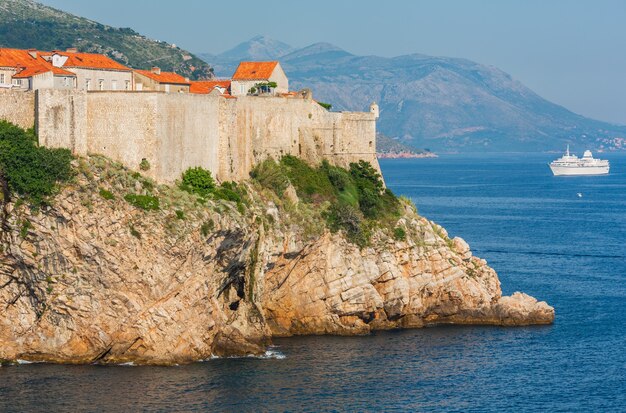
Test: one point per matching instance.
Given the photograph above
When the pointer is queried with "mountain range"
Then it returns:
(441, 103)
(26, 24)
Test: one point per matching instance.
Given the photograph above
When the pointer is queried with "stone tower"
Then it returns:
(374, 109)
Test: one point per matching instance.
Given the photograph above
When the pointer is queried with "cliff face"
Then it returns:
(332, 287)
(98, 280)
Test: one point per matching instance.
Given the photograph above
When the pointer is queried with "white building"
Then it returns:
(28, 70)
(259, 78)
(93, 71)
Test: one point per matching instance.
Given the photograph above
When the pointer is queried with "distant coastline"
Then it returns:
(392, 148)
(405, 155)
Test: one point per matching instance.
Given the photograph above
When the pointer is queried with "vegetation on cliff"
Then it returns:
(353, 200)
(25, 24)
(28, 169)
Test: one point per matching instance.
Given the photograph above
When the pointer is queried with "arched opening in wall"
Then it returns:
(300, 149)
(370, 144)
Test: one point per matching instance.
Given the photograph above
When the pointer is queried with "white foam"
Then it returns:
(270, 353)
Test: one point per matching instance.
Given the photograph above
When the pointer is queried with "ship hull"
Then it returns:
(579, 170)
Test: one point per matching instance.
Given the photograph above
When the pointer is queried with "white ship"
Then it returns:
(573, 165)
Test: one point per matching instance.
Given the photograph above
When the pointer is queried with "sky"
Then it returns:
(571, 52)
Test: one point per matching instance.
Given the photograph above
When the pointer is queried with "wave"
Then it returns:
(270, 353)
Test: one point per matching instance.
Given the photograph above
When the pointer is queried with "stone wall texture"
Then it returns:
(174, 132)
(18, 107)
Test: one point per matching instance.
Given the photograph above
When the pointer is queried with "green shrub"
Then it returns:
(228, 191)
(366, 176)
(144, 165)
(198, 181)
(108, 195)
(180, 214)
(375, 201)
(30, 170)
(326, 106)
(147, 184)
(342, 216)
(270, 174)
(145, 202)
(346, 217)
(134, 232)
(338, 177)
(399, 234)
(311, 184)
(207, 227)
(25, 226)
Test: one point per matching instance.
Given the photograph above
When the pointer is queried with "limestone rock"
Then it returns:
(102, 281)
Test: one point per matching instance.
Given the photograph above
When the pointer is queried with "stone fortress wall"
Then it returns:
(174, 132)
(18, 108)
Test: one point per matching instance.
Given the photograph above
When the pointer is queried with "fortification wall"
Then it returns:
(255, 128)
(174, 132)
(123, 126)
(187, 134)
(18, 107)
(61, 119)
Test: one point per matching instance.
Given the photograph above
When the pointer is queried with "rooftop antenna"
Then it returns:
(567, 153)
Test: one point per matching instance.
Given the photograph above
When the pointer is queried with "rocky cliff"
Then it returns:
(93, 278)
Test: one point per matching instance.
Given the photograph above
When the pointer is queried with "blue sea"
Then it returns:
(533, 228)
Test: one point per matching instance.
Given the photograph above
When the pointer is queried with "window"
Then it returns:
(113, 84)
(66, 81)
(127, 85)
(100, 84)
(242, 89)
(1, 77)
(167, 88)
(88, 84)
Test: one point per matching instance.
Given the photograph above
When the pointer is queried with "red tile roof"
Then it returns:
(206, 86)
(61, 72)
(19, 57)
(90, 61)
(26, 72)
(164, 77)
(254, 70)
(26, 65)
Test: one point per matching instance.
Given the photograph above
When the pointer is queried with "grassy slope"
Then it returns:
(26, 24)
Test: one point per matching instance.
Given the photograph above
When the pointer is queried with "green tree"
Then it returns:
(198, 181)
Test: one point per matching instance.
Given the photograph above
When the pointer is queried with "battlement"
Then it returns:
(174, 132)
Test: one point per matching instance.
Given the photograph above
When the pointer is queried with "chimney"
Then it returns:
(72, 50)
(32, 53)
(156, 70)
(187, 79)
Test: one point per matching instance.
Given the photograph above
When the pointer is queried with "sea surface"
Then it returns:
(560, 239)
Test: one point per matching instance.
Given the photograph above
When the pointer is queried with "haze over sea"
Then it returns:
(533, 228)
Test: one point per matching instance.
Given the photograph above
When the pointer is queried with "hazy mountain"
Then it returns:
(258, 48)
(445, 104)
(26, 24)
